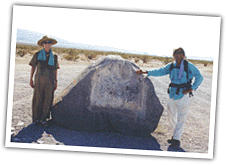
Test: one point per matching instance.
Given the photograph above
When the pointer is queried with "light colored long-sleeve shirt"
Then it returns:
(192, 72)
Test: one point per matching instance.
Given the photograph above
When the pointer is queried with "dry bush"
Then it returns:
(72, 54)
(21, 53)
(167, 60)
(125, 56)
(91, 56)
(136, 59)
(145, 58)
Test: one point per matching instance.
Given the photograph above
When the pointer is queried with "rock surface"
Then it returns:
(108, 96)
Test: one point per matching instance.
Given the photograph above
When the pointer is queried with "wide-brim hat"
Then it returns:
(46, 38)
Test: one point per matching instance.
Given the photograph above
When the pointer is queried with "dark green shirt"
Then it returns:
(43, 69)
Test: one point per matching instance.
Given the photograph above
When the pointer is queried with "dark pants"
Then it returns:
(42, 98)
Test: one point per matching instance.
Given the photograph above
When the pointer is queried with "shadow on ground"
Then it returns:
(32, 133)
(176, 150)
(28, 134)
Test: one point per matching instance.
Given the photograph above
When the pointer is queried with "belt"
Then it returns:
(178, 86)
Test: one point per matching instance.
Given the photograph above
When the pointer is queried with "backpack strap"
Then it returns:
(185, 67)
(186, 70)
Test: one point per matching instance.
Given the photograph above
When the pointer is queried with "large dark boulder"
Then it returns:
(108, 96)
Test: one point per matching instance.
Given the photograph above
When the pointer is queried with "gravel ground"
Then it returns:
(195, 137)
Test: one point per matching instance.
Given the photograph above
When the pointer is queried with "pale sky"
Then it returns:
(31, 37)
(156, 34)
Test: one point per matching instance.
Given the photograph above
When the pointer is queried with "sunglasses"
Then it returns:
(47, 42)
(179, 52)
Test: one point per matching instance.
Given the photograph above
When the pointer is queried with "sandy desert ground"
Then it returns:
(195, 137)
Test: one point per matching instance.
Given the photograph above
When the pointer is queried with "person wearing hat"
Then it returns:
(181, 72)
(44, 64)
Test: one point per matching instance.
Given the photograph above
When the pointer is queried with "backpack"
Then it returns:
(187, 85)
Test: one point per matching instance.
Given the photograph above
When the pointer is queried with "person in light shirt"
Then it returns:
(181, 73)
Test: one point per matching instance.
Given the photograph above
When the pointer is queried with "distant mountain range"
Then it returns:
(25, 40)
(33, 41)
(31, 37)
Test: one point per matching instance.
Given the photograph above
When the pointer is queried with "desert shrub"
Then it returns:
(91, 55)
(72, 54)
(59, 50)
(145, 58)
(136, 59)
(32, 48)
(27, 47)
(124, 56)
(69, 58)
(167, 60)
(22, 52)
(205, 63)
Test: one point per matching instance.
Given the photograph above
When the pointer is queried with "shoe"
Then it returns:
(175, 144)
(45, 124)
(170, 140)
(51, 122)
(36, 123)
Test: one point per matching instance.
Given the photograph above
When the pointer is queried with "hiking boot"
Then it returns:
(175, 144)
(170, 140)
(45, 124)
(51, 122)
(36, 123)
